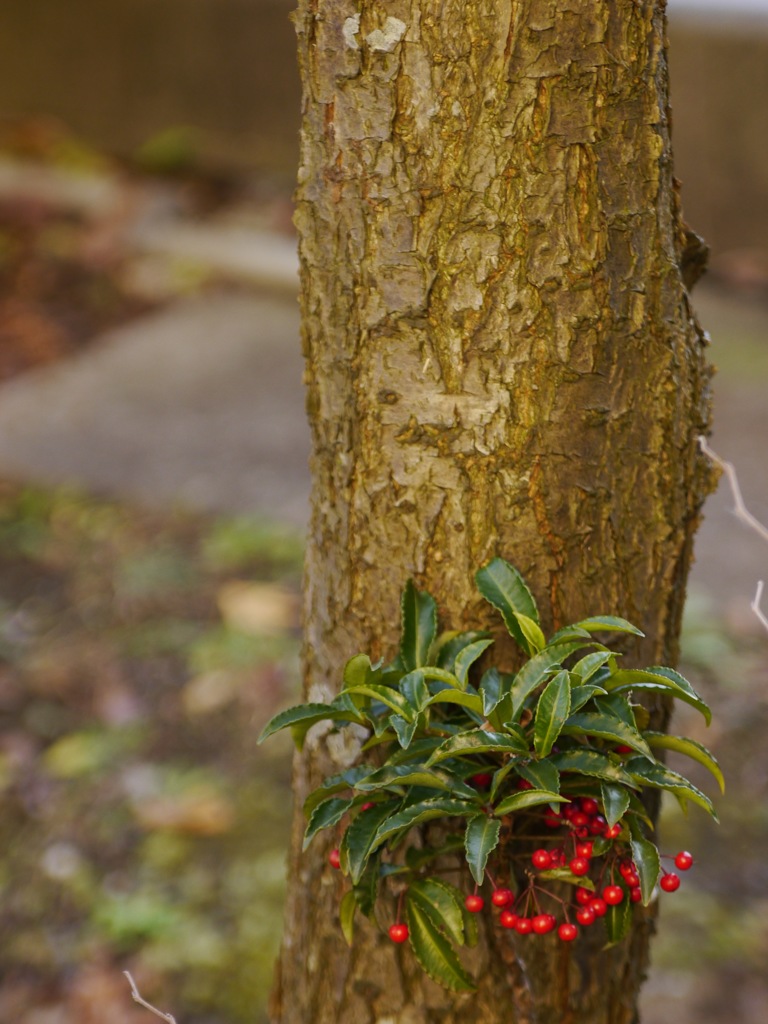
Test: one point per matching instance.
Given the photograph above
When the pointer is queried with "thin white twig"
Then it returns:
(743, 513)
(137, 998)
(740, 509)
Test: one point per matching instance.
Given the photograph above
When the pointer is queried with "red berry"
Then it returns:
(398, 932)
(579, 866)
(569, 810)
(542, 859)
(599, 906)
(474, 903)
(579, 819)
(502, 897)
(567, 932)
(624, 749)
(558, 857)
(334, 859)
(670, 882)
(524, 926)
(613, 831)
(543, 923)
(367, 805)
(481, 780)
(552, 820)
(585, 915)
(584, 849)
(582, 832)
(589, 806)
(508, 919)
(613, 895)
(524, 784)
(683, 860)
(632, 879)
(636, 894)
(584, 896)
(596, 825)
(626, 867)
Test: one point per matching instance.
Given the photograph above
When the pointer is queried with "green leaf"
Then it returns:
(507, 591)
(551, 712)
(442, 903)
(425, 810)
(615, 802)
(541, 775)
(326, 814)
(658, 776)
(449, 645)
(500, 774)
(491, 689)
(592, 723)
(527, 798)
(359, 670)
(535, 671)
(386, 695)
(413, 687)
(404, 730)
(683, 745)
(657, 680)
(568, 633)
(618, 921)
(415, 775)
(419, 616)
(478, 741)
(466, 699)
(590, 762)
(581, 695)
(335, 784)
(467, 657)
(564, 875)
(361, 838)
(347, 909)
(480, 840)
(609, 623)
(299, 720)
(433, 950)
(586, 667)
(646, 858)
(367, 889)
(617, 705)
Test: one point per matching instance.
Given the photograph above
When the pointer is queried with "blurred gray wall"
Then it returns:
(119, 71)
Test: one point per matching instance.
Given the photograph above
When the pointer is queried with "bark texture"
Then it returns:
(501, 359)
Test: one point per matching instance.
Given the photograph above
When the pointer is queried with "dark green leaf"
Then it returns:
(618, 705)
(418, 751)
(491, 689)
(405, 730)
(478, 741)
(568, 633)
(608, 727)
(646, 858)
(443, 905)
(425, 810)
(618, 921)
(361, 838)
(415, 775)
(347, 909)
(506, 590)
(551, 712)
(467, 657)
(434, 952)
(590, 762)
(386, 695)
(541, 775)
(581, 695)
(419, 615)
(465, 698)
(527, 798)
(414, 688)
(615, 802)
(691, 748)
(500, 774)
(609, 623)
(449, 645)
(660, 680)
(480, 840)
(658, 776)
(326, 814)
(536, 671)
(335, 784)
(586, 667)
(564, 875)
(299, 720)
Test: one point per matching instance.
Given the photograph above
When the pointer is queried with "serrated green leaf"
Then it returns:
(568, 633)
(434, 952)
(472, 700)
(418, 751)
(442, 903)
(491, 689)
(615, 802)
(413, 687)
(535, 640)
(609, 623)
(646, 858)
(617, 705)
(527, 798)
(691, 748)
(564, 875)
(500, 774)
(608, 727)
(586, 667)
(552, 711)
(507, 591)
(466, 658)
(424, 810)
(419, 617)
(449, 645)
(537, 670)
(359, 670)
(541, 775)
(592, 763)
(325, 815)
(480, 840)
(478, 741)
(415, 775)
(404, 730)
(361, 838)
(581, 695)
(335, 784)
(658, 776)
(301, 718)
(385, 695)
(617, 921)
(347, 909)
(661, 680)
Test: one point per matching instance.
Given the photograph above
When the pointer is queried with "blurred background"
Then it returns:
(153, 491)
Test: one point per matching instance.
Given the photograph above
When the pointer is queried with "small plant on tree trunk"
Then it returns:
(532, 780)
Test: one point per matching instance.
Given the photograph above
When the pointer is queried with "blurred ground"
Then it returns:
(149, 354)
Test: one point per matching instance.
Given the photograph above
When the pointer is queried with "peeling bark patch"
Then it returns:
(350, 29)
(386, 39)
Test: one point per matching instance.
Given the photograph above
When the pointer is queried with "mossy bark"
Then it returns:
(501, 359)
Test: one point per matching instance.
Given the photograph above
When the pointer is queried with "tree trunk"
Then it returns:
(501, 359)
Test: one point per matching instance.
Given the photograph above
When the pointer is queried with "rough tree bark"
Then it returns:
(501, 359)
